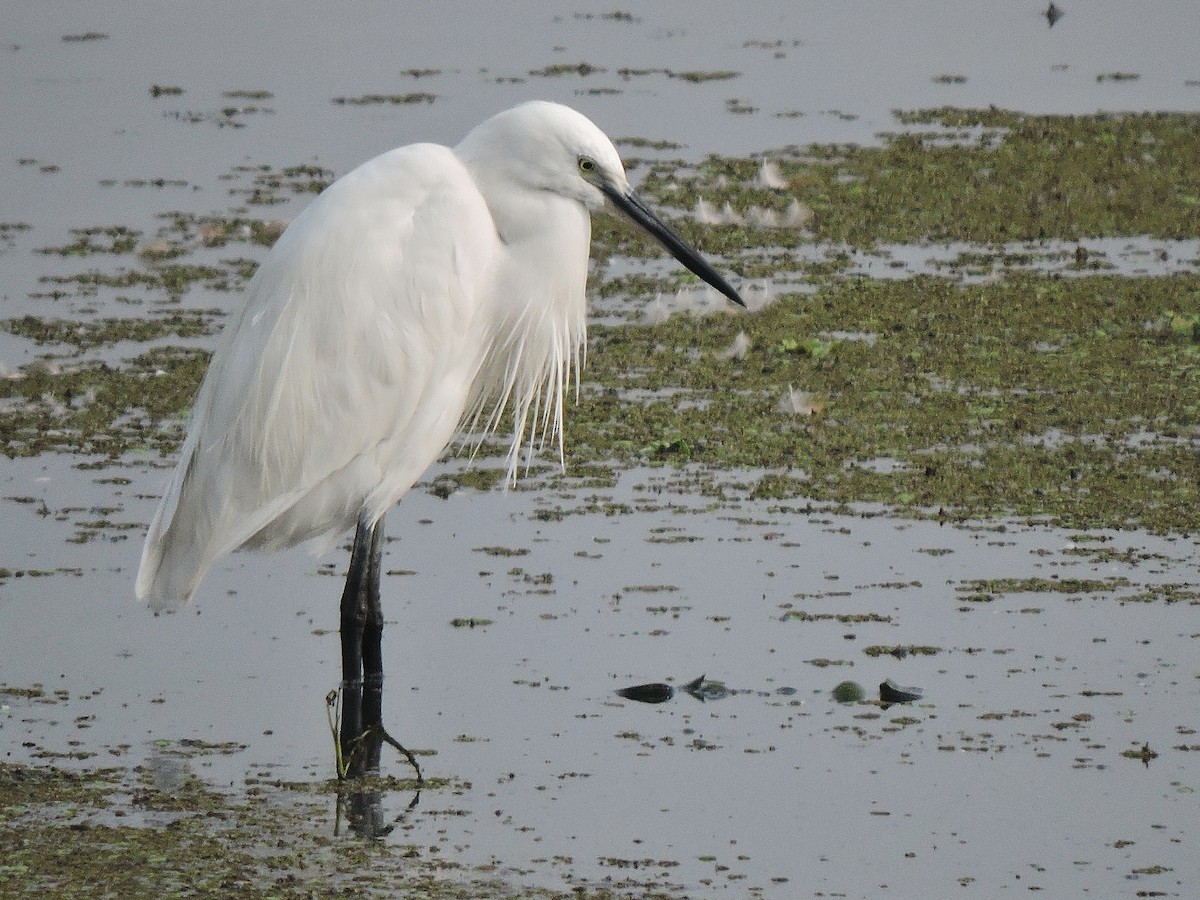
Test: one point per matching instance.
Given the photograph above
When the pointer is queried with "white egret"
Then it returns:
(424, 293)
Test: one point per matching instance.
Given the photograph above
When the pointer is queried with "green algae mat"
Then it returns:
(991, 386)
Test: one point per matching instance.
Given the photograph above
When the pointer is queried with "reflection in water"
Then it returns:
(360, 790)
(168, 772)
(360, 797)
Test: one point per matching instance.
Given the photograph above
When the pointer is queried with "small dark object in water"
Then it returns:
(706, 690)
(1053, 14)
(656, 692)
(890, 692)
(849, 692)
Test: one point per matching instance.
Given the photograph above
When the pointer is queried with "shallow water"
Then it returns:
(1008, 774)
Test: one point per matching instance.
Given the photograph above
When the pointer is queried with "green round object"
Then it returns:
(849, 692)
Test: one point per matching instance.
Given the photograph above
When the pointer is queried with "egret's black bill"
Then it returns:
(637, 210)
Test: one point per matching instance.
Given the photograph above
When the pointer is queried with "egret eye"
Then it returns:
(586, 165)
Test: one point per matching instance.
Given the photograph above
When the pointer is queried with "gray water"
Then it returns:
(1007, 775)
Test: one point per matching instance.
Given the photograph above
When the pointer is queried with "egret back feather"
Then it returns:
(322, 395)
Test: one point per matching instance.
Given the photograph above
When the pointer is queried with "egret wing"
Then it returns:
(344, 376)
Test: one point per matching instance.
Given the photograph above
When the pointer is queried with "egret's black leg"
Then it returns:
(372, 635)
(354, 614)
(362, 733)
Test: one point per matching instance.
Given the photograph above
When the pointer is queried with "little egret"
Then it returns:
(422, 294)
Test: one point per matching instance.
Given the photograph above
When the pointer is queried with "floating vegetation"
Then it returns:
(1063, 400)
(225, 117)
(696, 77)
(408, 99)
(247, 95)
(1168, 593)
(581, 69)
(211, 844)
(302, 179)
(503, 551)
(482, 478)
(958, 388)
(110, 239)
(900, 651)
(701, 77)
(822, 662)
(799, 615)
(91, 333)
(1018, 177)
(98, 409)
(1142, 754)
(985, 590)
(615, 16)
(1184, 326)
(174, 279)
(7, 229)
(642, 143)
(34, 692)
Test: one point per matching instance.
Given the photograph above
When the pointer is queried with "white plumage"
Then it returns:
(423, 293)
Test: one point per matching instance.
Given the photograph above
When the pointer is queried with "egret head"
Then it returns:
(549, 147)
(540, 146)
